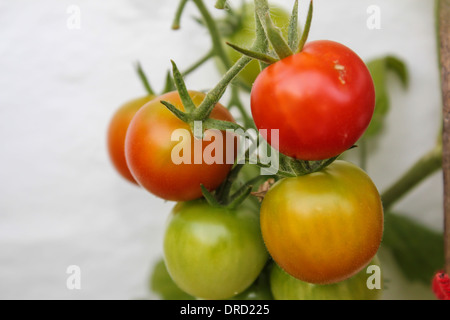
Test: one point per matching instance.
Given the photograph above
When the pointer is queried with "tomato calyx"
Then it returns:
(290, 167)
(192, 114)
(221, 4)
(223, 197)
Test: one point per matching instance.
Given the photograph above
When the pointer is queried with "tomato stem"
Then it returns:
(176, 20)
(204, 109)
(198, 63)
(214, 33)
(363, 153)
(424, 167)
(235, 101)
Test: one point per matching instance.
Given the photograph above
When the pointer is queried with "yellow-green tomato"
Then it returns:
(213, 252)
(323, 227)
(365, 285)
(245, 36)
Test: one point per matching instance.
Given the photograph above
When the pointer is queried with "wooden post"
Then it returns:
(444, 53)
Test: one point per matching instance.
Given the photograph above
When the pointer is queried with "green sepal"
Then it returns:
(144, 79)
(261, 42)
(290, 167)
(221, 125)
(209, 197)
(305, 33)
(239, 196)
(177, 112)
(275, 37)
(293, 36)
(265, 58)
(169, 84)
(188, 104)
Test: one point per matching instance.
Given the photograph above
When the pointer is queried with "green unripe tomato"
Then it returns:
(245, 36)
(286, 287)
(213, 253)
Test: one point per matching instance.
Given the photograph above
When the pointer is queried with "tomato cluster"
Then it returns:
(317, 229)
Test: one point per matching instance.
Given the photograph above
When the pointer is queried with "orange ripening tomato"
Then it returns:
(117, 130)
(155, 136)
(323, 227)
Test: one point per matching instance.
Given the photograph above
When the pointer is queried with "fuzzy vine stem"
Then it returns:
(423, 168)
(176, 20)
(214, 33)
(235, 101)
(198, 63)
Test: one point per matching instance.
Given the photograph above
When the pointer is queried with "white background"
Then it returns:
(62, 203)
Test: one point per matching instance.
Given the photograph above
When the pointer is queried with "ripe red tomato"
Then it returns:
(325, 226)
(117, 130)
(149, 146)
(321, 100)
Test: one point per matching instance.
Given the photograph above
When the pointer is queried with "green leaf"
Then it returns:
(162, 284)
(379, 69)
(399, 67)
(418, 250)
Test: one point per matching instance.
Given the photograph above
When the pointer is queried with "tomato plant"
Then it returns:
(325, 226)
(318, 220)
(286, 287)
(117, 130)
(321, 100)
(212, 252)
(149, 145)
